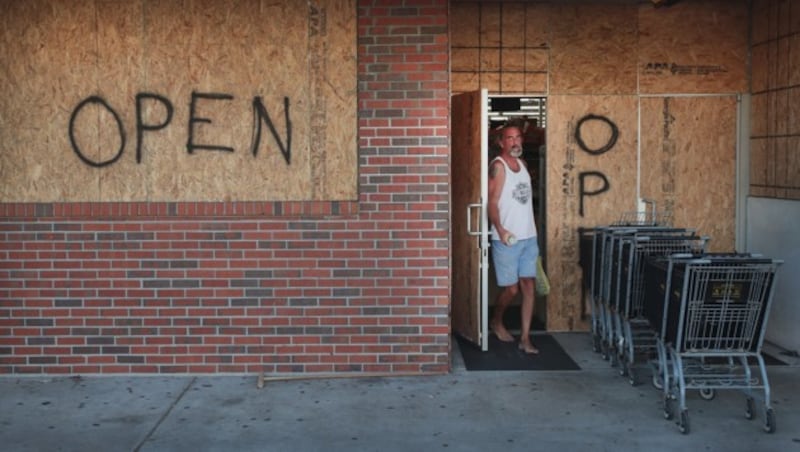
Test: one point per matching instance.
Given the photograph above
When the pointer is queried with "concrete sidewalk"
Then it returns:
(590, 409)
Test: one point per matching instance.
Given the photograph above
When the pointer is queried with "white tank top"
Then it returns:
(516, 203)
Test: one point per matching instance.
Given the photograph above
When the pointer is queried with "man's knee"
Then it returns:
(512, 290)
(527, 284)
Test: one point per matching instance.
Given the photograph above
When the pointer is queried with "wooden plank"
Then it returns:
(535, 83)
(759, 75)
(465, 24)
(760, 21)
(609, 189)
(513, 60)
(218, 58)
(121, 52)
(465, 59)
(690, 173)
(793, 59)
(759, 160)
(793, 166)
(513, 83)
(45, 74)
(462, 82)
(758, 114)
(512, 27)
(593, 49)
(538, 17)
(693, 47)
(490, 25)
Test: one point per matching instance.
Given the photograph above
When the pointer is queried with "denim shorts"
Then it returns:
(512, 262)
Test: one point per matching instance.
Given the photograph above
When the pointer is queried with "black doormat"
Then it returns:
(506, 355)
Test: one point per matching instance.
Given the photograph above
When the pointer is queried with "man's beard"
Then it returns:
(516, 151)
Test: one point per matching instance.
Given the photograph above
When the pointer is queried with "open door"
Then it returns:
(470, 225)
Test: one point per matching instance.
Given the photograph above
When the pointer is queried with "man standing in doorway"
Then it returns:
(514, 242)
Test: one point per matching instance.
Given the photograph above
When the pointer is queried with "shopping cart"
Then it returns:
(636, 339)
(586, 253)
(612, 286)
(596, 259)
(712, 319)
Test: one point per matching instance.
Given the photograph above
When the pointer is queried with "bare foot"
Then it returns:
(501, 332)
(528, 348)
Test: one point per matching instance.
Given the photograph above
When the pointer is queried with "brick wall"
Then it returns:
(148, 288)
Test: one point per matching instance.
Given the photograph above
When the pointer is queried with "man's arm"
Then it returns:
(525, 165)
(497, 177)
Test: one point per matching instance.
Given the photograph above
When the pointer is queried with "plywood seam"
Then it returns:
(776, 89)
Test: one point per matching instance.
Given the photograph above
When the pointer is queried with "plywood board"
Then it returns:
(121, 51)
(609, 181)
(760, 21)
(35, 109)
(333, 94)
(513, 82)
(535, 83)
(538, 17)
(490, 25)
(491, 81)
(501, 46)
(781, 105)
(759, 161)
(694, 47)
(783, 70)
(781, 165)
(465, 60)
(793, 59)
(785, 22)
(758, 112)
(593, 49)
(689, 172)
(513, 59)
(537, 60)
(490, 60)
(77, 69)
(512, 28)
(465, 24)
(462, 82)
(759, 75)
(794, 16)
(793, 167)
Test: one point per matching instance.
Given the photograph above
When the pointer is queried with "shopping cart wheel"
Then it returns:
(632, 376)
(769, 423)
(667, 407)
(613, 358)
(623, 366)
(751, 411)
(658, 381)
(707, 394)
(683, 424)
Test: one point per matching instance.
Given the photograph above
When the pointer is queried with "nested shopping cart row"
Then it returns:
(619, 329)
(696, 320)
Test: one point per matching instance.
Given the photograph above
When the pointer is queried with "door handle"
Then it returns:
(470, 208)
